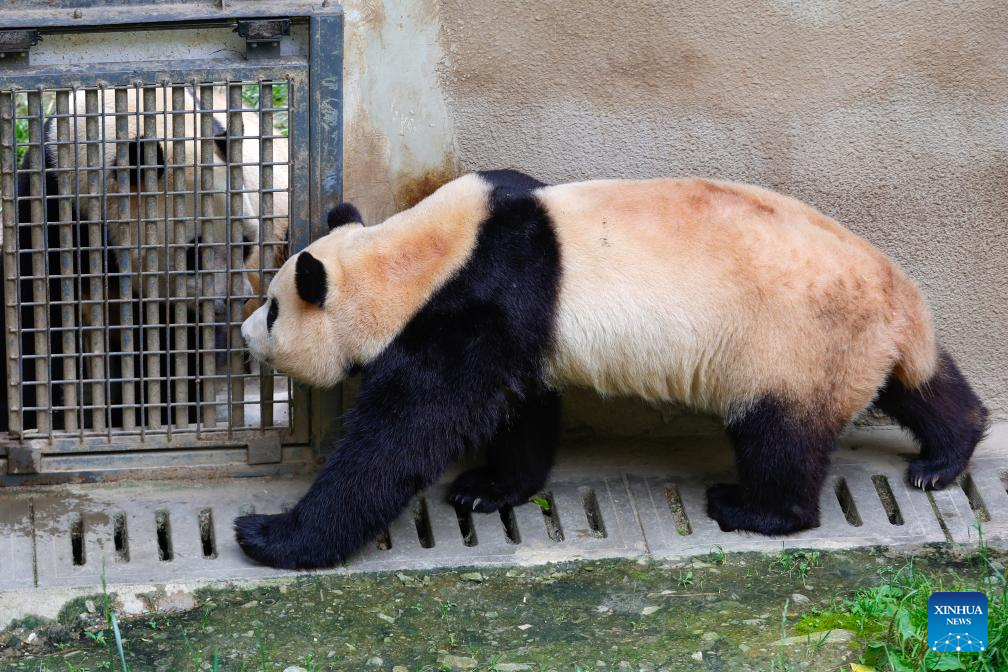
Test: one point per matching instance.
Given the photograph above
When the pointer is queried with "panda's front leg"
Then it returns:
(520, 457)
(413, 416)
(366, 482)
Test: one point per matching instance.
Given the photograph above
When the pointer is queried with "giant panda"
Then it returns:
(468, 313)
(144, 176)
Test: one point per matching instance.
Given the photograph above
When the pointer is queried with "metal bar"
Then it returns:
(124, 260)
(141, 314)
(68, 320)
(235, 257)
(42, 385)
(166, 258)
(178, 238)
(151, 289)
(105, 258)
(93, 16)
(12, 313)
(126, 74)
(79, 256)
(266, 232)
(208, 228)
(95, 174)
(300, 167)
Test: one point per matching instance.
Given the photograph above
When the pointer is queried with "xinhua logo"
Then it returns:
(957, 622)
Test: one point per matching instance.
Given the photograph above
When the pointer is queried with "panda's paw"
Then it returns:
(723, 505)
(477, 490)
(728, 506)
(265, 539)
(933, 475)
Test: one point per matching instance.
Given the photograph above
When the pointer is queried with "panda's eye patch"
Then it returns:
(271, 314)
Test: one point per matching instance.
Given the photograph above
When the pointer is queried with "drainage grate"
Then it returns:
(178, 531)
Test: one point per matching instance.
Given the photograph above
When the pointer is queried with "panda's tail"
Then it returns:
(928, 395)
(917, 345)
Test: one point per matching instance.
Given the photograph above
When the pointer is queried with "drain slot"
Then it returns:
(421, 518)
(843, 495)
(976, 502)
(551, 518)
(384, 540)
(120, 537)
(206, 531)
(511, 533)
(885, 495)
(77, 538)
(466, 527)
(678, 511)
(164, 541)
(591, 508)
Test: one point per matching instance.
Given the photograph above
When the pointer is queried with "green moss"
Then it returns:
(72, 610)
(822, 622)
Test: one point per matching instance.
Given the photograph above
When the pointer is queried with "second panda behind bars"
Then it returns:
(132, 184)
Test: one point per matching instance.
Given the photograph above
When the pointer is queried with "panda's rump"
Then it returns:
(714, 294)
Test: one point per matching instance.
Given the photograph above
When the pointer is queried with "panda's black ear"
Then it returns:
(310, 279)
(344, 213)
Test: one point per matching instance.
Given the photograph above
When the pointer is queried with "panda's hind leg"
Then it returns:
(782, 456)
(946, 417)
(520, 457)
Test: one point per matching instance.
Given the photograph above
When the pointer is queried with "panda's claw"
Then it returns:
(480, 491)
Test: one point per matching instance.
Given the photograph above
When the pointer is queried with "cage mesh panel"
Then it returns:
(125, 250)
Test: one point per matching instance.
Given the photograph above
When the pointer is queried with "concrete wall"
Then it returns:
(891, 117)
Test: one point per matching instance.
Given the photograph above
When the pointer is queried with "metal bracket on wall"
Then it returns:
(262, 36)
(267, 449)
(14, 46)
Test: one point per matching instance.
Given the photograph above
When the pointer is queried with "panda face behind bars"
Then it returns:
(162, 205)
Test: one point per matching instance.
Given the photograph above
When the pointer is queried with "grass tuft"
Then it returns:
(891, 619)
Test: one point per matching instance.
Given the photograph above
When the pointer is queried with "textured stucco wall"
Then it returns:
(891, 117)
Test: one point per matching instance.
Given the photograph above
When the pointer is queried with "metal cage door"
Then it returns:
(145, 209)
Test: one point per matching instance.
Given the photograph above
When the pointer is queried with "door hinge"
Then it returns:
(14, 46)
(262, 36)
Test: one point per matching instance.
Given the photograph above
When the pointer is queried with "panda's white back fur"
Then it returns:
(713, 293)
